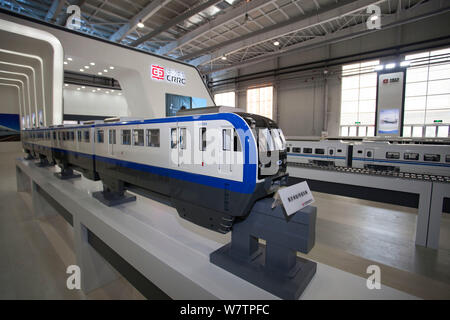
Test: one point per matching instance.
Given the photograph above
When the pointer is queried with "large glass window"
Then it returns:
(358, 99)
(138, 137)
(427, 94)
(225, 99)
(153, 137)
(260, 101)
(86, 135)
(126, 137)
(100, 136)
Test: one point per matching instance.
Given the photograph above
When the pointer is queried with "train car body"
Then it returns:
(321, 153)
(207, 165)
(413, 158)
(373, 155)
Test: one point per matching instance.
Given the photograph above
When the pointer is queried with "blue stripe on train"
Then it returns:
(315, 156)
(242, 187)
(405, 162)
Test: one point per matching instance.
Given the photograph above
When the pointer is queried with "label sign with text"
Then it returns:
(296, 197)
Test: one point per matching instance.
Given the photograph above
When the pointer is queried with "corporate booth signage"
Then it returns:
(390, 103)
(172, 76)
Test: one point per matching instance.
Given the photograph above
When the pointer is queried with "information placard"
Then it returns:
(296, 197)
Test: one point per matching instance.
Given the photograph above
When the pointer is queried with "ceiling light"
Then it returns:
(78, 89)
(276, 43)
(99, 73)
(105, 70)
(140, 24)
(93, 90)
(107, 91)
(83, 87)
(70, 59)
(92, 63)
(66, 85)
(86, 67)
(112, 68)
(120, 93)
(390, 66)
(224, 58)
(98, 89)
(405, 63)
(379, 67)
(373, 18)
(81, 70)
(65, 62)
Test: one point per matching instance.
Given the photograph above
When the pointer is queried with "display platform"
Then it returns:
(169, 252)
(430, 193)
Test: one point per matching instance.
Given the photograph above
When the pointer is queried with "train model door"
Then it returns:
(111, 141)
(225, 150)
(331, 152)
(368, 154)
(174, 147)
(182, 146)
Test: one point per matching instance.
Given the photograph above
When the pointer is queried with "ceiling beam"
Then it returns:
(219, 20)
(147, 12)
(426, 10)
(173, 22)
(54, 10)
(295, 24)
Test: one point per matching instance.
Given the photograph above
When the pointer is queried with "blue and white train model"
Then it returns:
(150, 155)
(373, 155)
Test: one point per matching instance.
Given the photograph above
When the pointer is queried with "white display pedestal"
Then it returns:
(171, 253)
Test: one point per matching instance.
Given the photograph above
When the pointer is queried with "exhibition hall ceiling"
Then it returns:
(217, 35)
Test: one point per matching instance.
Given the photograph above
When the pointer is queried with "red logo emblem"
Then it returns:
(157, 72)
(384, 80)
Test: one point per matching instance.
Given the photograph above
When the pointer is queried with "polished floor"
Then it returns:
(351, 234)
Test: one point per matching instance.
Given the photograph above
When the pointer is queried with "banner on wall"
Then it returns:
(9, 127)
(390, 103)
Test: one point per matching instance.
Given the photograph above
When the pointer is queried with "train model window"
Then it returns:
(86, 136)
(138, 137)
(237, 143)
(54, 135)
(153, 137)
(339, 150)
(112, 136)
(226, 139)
(183, 138)
(447, 158)
(432, 157)
(410, 156)
(319, 151)
(202, 139)
(307, 150)
(100, 136)
(173, 138)
(297, 150)
(72, 136)
(79, 135)
(392, 155)
(126, 137)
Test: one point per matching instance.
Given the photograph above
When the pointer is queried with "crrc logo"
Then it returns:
(160, 73)
(157, 72)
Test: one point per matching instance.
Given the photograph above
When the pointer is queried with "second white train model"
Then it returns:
(374, 155)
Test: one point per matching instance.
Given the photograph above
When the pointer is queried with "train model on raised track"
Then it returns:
(207, 165)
